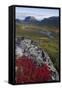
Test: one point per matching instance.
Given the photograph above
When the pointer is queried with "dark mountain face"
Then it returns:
(30, 19)
(51, 22)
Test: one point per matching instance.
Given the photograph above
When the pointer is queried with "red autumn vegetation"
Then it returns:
(28, 72)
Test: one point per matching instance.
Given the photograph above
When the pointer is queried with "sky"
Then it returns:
(38, 13)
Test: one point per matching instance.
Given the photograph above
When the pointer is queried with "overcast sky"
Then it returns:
(22, 12)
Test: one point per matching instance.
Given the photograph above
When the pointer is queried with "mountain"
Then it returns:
(31, 19)
(27, 20)
(51, 21)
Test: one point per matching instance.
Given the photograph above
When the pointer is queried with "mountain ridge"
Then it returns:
(50, 21)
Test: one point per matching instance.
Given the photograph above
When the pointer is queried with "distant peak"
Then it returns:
(30, 18)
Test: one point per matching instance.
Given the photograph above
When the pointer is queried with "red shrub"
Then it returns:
(43, 73)
(27, 71)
